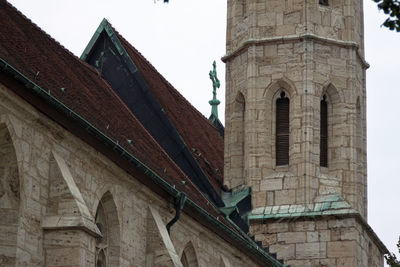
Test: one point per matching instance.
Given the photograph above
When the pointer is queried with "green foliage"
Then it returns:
(391, 8)
(391, 258)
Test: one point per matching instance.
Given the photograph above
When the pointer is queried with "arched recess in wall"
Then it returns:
(107, 246)
(359, 134)
(281, 100)
(361, 190)
(237, 150)
(189, 257)
(9, 199)
(224, 262)
(242, 6)
(330, 119)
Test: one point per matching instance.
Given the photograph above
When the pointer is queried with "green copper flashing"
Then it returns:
(93, 40)
(325, 205)
(106, 27)
(242, 239)
(237, 196)
(216, 84)
(228, 210)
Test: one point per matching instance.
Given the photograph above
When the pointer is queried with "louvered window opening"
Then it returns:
(323, 146)
(324, 2)
(282, 130)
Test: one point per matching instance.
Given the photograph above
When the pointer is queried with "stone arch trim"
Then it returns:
(8, 122)
(235, 144)
(224, 262)
(333, 94)
(270, 95)
(272, 91)
(336, 122)
(98, 195)
(21, 151)
(111, 229)
(191, 256)
(240, 97)
(10, 197)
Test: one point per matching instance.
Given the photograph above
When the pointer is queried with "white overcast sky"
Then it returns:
(182, 38)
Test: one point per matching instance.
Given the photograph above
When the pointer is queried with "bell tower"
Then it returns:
(296, 128)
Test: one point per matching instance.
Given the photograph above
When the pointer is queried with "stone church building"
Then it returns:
(104, 163)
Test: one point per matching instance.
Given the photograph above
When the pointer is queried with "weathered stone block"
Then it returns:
(271, 184)
(311, 250)
(292, 237)
(278, 227)
(339, 249)
(286, 252)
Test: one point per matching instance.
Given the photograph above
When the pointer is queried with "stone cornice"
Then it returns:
(68, 222)
(295, 38)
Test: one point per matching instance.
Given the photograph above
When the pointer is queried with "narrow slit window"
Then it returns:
(282, 130)
(323, 145)
(324, 2)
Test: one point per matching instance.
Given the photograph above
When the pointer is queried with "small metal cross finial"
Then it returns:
(214, 78)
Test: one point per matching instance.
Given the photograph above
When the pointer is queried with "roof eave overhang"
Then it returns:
(105, 27)
(77, 125)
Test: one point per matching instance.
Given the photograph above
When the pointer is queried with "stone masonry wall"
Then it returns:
(260, 74)
(83, 177)
(319, 242)
(308, 51)
(9, 199)
(274, 58)
(257, 19)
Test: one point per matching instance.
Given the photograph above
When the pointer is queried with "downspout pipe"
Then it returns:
(242, 238)
(179, 203)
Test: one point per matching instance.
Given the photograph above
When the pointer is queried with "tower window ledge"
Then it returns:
(280, 172)
(282, 168)
(324, 170)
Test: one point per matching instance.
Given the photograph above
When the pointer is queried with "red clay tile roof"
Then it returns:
(44, 61)
(202, 138)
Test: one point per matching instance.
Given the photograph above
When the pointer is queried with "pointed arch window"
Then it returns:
(189, 258)
(236, 147)
(323, 144)
(9, 199)
(184, 260)
(101, 242)
(282, 130)
(108, 245)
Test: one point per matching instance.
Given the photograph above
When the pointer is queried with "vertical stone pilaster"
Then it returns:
(73, 248)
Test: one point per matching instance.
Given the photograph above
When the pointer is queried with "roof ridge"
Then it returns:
(209, 133)
(170, 86)
(109, 88)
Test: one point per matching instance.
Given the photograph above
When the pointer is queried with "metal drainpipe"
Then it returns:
(241, 238)
(179, 203)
